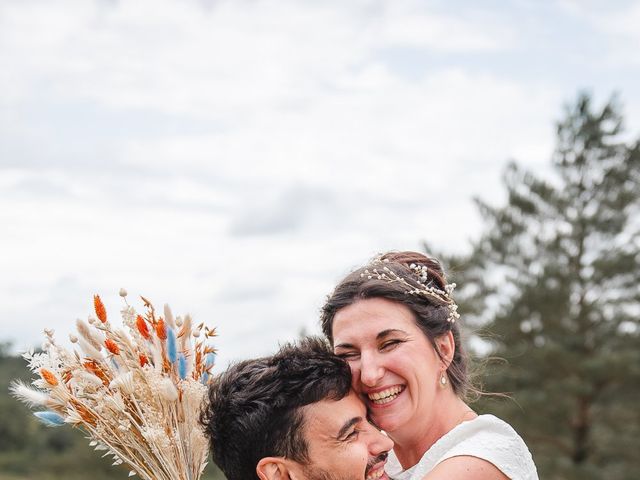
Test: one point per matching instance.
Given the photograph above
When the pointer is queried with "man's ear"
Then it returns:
(446, 347)
(273, 468)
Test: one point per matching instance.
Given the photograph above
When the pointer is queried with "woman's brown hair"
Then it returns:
(432, 316)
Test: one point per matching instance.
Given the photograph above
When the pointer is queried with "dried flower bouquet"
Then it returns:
(136, 391)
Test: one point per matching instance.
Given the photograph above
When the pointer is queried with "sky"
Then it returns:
(236, 158)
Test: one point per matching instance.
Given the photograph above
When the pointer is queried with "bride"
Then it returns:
(395, 322)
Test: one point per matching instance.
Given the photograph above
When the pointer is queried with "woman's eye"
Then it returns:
(349, 355)
(390, 344)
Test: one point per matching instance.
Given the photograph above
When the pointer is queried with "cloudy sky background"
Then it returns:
(235, 158)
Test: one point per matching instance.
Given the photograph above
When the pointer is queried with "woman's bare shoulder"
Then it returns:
(465, 467)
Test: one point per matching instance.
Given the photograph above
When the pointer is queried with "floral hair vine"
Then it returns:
(135, 391)
(423, 288)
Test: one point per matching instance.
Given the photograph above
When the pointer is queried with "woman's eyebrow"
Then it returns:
(385, 333)
(381, 336)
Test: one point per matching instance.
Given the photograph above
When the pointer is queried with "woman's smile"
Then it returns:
(383, 396)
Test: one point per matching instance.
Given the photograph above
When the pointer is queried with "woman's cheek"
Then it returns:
(355, 376)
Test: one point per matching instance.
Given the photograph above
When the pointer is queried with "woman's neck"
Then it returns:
(412, 441)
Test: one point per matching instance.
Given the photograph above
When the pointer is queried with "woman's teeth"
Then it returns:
(385, 396)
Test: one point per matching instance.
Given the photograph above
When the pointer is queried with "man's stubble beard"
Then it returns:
(314, 473)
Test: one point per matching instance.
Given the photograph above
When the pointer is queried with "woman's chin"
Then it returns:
(389, 417)
(387, 422)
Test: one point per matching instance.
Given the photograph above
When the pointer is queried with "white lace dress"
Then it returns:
(485, 437)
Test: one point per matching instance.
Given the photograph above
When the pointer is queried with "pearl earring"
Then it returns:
(443, 380)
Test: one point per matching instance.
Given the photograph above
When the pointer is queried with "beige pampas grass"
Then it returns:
(86, 378)
(30, 396)
(92, 336)
(136, 391)
(167, 390)
(168, 316)
(89, 349)
(124, 382)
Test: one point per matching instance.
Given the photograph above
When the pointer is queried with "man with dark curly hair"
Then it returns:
(292, 416)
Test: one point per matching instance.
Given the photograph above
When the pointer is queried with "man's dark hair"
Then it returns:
(254, 407)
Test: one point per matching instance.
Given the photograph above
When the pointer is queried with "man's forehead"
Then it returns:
(327, 417)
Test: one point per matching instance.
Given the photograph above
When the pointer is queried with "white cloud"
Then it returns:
(413, 24)
(234, 160)
(617, 23)
(243, 57)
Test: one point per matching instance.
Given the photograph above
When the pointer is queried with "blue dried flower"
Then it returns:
(182, 366)
(172, 351)
(211, 359)
(50, 419)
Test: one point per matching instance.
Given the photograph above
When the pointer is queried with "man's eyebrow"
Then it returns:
(345, 428)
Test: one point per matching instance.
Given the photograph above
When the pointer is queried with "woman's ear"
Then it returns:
(273, 468)
(446, 347)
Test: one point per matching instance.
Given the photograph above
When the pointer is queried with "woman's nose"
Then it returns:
(371, 371)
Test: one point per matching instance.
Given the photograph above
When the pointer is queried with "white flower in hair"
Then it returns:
(423, 286)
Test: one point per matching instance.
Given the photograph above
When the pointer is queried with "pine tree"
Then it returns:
(558, 271)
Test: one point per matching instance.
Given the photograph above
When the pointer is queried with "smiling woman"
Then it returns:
(396, 323)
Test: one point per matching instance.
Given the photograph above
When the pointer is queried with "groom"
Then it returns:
(293, 416)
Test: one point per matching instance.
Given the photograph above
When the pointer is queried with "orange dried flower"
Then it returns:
(94, 368)
(67, 375)
(161, 330)
(142, 327)
(210, 332)
(111, 346)
(84, 413)
(101, 312)
(143, 359)
(49, 377)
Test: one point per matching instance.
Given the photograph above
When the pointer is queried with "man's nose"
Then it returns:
(371, 370)
(380, 443)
